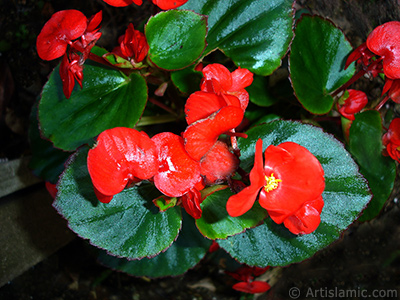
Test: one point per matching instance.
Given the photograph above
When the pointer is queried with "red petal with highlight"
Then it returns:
(121, 155)
(122, 3)
(169, 4)
(384, 40)
(202, 135)
(63, 27)
(178, 172)
(219, 74)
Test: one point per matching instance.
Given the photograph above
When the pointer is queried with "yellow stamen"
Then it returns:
(272, 183)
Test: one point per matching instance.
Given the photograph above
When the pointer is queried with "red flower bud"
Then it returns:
(252, 287)
(384, 41)
(391, 140)
(290, 185)
(134, 45)
(120, 156)
(70, 70)
(63, 27)
(353, 104)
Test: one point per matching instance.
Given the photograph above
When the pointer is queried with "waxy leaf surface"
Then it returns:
(215, 222)
(255, 34)
(108, 99)
(346, 194)
(176, 38)
(366, 147)
(184, 254)
(317, 57)
(129, 226)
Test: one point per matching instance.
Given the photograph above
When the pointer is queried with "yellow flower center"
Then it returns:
(272, 183)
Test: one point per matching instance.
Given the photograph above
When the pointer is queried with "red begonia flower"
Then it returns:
(218, 79)
(353, 104)
(290, 185)
(177, 172)
(200, 105)
(361, 54)
(191, 203)
(92, 34)
(394, 90)
(133, 45)
(252, 287)
(70, 70)
(120, 156)
(384, 41)
(122, 3)
(169, 4)
(63, 27)
(218, 164)
(201, 135)
(391, 140)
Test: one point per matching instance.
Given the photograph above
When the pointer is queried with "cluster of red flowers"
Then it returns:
(179, 166)
(379, 54)
(70, 34)
(163, 4)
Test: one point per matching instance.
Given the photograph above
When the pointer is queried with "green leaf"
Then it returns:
(259, 93)
(176, 38)
(47, 162)
(187, 80)
(255, 34)
(346, 194)
(108, 99)
(184, 254)
(129, 226)
(318, 54)
(366, 147)
(215, 222)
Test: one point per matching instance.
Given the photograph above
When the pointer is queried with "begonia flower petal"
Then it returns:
(253, 287)
(384, 40)
(119, 156)
(63, 27)
(220, 74)
(178, 172)
(202, 135)
(191, 203)
(169, 4)
(391, 140)
(354, 103)
(306, 219)
(241, 202)
(302, 179)
(123, 3)
(218, 164)
(394, 91)
(200, 105)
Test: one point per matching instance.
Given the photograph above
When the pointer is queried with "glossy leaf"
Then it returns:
(366, 147)
(215, 222)
(259, 92)
(255, 34)
(184, 254)
(176, 38)
(346, 194)
(108, 99)
(129, 226)
(318, 54)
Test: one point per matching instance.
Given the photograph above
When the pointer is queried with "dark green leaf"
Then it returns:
(366, 147)
(184, 253)
(317, 57)
(187, 80)
(255, 34)
(215, 222)
(129, 226)
(108, 99)
(176, 38)
(346, 194)
(259, 92)
(47, 162)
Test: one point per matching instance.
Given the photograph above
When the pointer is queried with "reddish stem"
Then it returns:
(161, 105)
(382, 103)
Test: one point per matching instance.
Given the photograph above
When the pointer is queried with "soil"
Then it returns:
(366, 258)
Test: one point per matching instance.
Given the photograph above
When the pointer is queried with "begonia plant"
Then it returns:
(233, 166)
